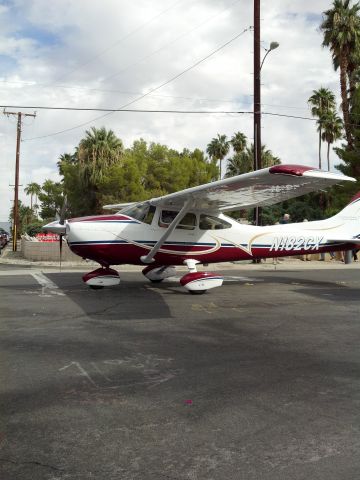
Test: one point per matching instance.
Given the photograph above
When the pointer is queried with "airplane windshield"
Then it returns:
(144, 212)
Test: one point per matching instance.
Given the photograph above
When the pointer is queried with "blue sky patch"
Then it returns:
(40, 36)
(7, 64)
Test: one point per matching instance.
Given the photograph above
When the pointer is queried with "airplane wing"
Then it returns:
(255, 189)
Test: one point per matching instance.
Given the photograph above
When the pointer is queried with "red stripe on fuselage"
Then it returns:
(117, 254)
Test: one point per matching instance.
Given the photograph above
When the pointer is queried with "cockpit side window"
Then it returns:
(188, 222)
(208, 222)
(144, 212)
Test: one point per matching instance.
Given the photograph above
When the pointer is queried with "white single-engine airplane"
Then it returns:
(189, 228)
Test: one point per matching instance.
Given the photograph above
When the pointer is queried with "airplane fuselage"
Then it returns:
(121, 239)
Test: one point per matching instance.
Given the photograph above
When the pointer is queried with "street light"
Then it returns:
(273, 46)
(257, 100)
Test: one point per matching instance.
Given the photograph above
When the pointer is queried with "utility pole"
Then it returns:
(17, 168)
(257, 100)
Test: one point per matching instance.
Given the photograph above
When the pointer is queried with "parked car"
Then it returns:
(4, 238)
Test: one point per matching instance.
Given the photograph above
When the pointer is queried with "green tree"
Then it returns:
(341, 30)
(32, 189)
(243, 162)
(322, 102)
(153, 170)
(99, 150)
(332, 131)
(217, 149)
(238, 142)
(66, 159)
(25, 216)
(51, 198)
(350, 164)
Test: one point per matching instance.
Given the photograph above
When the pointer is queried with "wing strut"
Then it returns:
(149, 258)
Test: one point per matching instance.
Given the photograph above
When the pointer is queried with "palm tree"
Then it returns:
(97, 151)
(244, 162)
(332, 131)
(322, 101)
(341, 29)
(238, 142)
(66, 159)
(240, 163)
(218, 148)
(32, 189)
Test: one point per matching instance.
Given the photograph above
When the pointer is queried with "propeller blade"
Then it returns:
(62, 222)
(63, 211)
(60, 249)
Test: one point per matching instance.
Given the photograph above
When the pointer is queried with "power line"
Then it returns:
(184, 34)
(150, 91)
(128, 66)
(174, 111)
(114, 110)
(107, 49)
(132, 110)
(177, 97)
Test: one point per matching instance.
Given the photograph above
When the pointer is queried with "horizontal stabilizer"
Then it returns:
(118, 206)
(343, 240)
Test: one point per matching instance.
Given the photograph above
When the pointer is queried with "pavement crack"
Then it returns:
(31, 462)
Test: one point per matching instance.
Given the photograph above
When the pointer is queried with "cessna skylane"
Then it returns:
(189, 228)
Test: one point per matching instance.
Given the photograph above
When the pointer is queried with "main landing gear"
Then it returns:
(195, 282)
(101, 277)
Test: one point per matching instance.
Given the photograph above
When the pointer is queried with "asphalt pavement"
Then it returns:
(258, 379)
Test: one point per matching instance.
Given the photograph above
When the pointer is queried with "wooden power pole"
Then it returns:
(17, 168)
(257, 100)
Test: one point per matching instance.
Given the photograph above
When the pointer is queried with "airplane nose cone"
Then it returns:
(55, 227)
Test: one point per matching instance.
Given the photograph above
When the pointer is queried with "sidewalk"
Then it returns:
(8, 257)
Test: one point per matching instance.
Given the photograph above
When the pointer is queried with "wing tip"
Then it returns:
(294, 170)
(304, 171)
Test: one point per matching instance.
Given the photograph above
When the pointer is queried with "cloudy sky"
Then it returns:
(109, 53)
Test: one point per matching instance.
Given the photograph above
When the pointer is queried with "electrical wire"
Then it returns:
(131, 110)
(176, 39)
(150, 91)
(107, 49)
(114, 110)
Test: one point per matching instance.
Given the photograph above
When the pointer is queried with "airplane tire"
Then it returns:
(96, 287)
(197, 292)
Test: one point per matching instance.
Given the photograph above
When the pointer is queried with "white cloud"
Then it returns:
(114, 51)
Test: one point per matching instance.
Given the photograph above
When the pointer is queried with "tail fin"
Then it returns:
(352, 210)
(347, 229)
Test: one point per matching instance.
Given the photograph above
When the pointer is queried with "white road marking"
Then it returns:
(48, 288)
(81, 369)
(155, 371)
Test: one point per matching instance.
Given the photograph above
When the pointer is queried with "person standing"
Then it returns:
(307, 256)
(285, 219)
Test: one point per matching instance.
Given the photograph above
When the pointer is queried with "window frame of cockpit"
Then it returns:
(156, 217)
(129, 212)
